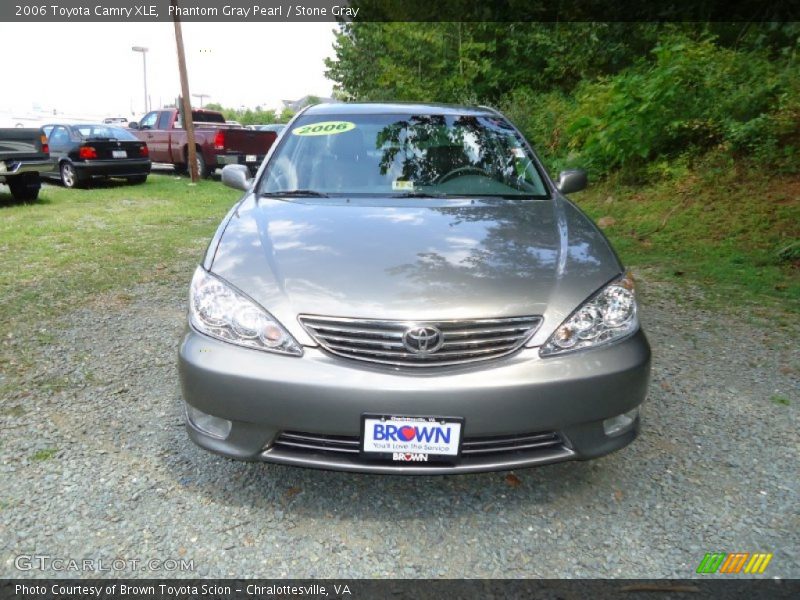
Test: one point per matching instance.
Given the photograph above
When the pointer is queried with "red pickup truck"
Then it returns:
(218, 143)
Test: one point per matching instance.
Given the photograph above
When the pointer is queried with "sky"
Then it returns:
(89, 68)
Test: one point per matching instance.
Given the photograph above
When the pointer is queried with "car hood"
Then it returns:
(414, 259)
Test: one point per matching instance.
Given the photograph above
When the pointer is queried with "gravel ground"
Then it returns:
(94, 463)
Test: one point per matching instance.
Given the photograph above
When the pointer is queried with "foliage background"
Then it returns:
(252, 116)
(628, 97)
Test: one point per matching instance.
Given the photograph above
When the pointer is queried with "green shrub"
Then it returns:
(693, 97)
(651, 120)
(543, 119)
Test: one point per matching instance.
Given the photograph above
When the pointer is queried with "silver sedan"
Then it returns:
(403, 289)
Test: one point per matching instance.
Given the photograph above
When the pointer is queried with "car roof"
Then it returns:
(400, 108)
(99, 125)
(82, 124)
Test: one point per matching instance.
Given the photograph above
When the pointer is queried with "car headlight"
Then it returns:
(609, 315)
(220, 311)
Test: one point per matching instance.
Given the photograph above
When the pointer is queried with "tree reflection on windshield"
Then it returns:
(455, 155)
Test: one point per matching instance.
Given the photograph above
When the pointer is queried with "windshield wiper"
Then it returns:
(297, 193)
(508, 196)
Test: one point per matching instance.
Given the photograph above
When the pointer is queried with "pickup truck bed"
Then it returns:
(23, 156)
(218, 144)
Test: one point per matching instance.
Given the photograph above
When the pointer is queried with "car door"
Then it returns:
(157, 139)
(60, 144)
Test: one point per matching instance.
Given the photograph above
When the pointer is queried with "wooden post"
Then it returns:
(188, 124)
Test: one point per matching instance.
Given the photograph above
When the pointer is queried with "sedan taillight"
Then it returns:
(87, 152)
(144, 151)
(45, 146)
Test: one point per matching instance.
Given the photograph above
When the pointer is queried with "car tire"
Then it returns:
(202, 170)
(69, 176)
(24, 189)
(136, 180)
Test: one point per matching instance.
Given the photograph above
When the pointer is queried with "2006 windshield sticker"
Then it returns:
(324, 128)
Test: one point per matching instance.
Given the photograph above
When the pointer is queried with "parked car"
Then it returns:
(276, 127)
(24, 155)
(217, 143)
(403, 289)
(87, 151)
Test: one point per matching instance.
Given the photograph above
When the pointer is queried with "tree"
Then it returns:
(245, 116)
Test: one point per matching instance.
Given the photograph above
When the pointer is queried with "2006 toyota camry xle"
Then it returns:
(403, 289)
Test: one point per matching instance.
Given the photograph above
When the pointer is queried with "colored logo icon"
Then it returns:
(734, 562)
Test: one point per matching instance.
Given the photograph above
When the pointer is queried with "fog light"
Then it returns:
(208, 424)
(620, 423)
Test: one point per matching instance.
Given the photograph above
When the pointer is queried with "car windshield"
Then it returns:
(404, 155)
(103, 132)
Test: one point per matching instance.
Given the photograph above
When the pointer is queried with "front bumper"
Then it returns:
(251, 161)
(266, 395)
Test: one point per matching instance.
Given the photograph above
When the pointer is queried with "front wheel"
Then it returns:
(24, 189)
(69, 176)
(138, 179)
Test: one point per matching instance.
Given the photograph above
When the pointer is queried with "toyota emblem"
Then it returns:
(422, 340)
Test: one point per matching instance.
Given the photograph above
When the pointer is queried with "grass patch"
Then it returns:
(781, 400)
(72, 245)
(12, 411)
(728, 230)
(44, 454)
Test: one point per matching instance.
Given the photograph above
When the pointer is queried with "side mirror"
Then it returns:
(237, 177)
(572, 181)
(133, 125)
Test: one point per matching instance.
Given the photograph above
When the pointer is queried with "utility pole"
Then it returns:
(188, 124)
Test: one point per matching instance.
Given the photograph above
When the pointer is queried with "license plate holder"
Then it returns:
(251, 158)
(404, 438)
(119, 154)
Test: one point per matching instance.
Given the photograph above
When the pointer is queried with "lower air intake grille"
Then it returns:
(318, 443)
(510, 443)
(471, 446)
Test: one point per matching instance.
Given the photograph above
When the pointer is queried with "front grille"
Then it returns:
(475, 446)
(318, 443)
(510, 443)
(384, 342)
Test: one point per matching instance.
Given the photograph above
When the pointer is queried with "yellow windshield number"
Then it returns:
(324, 128)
